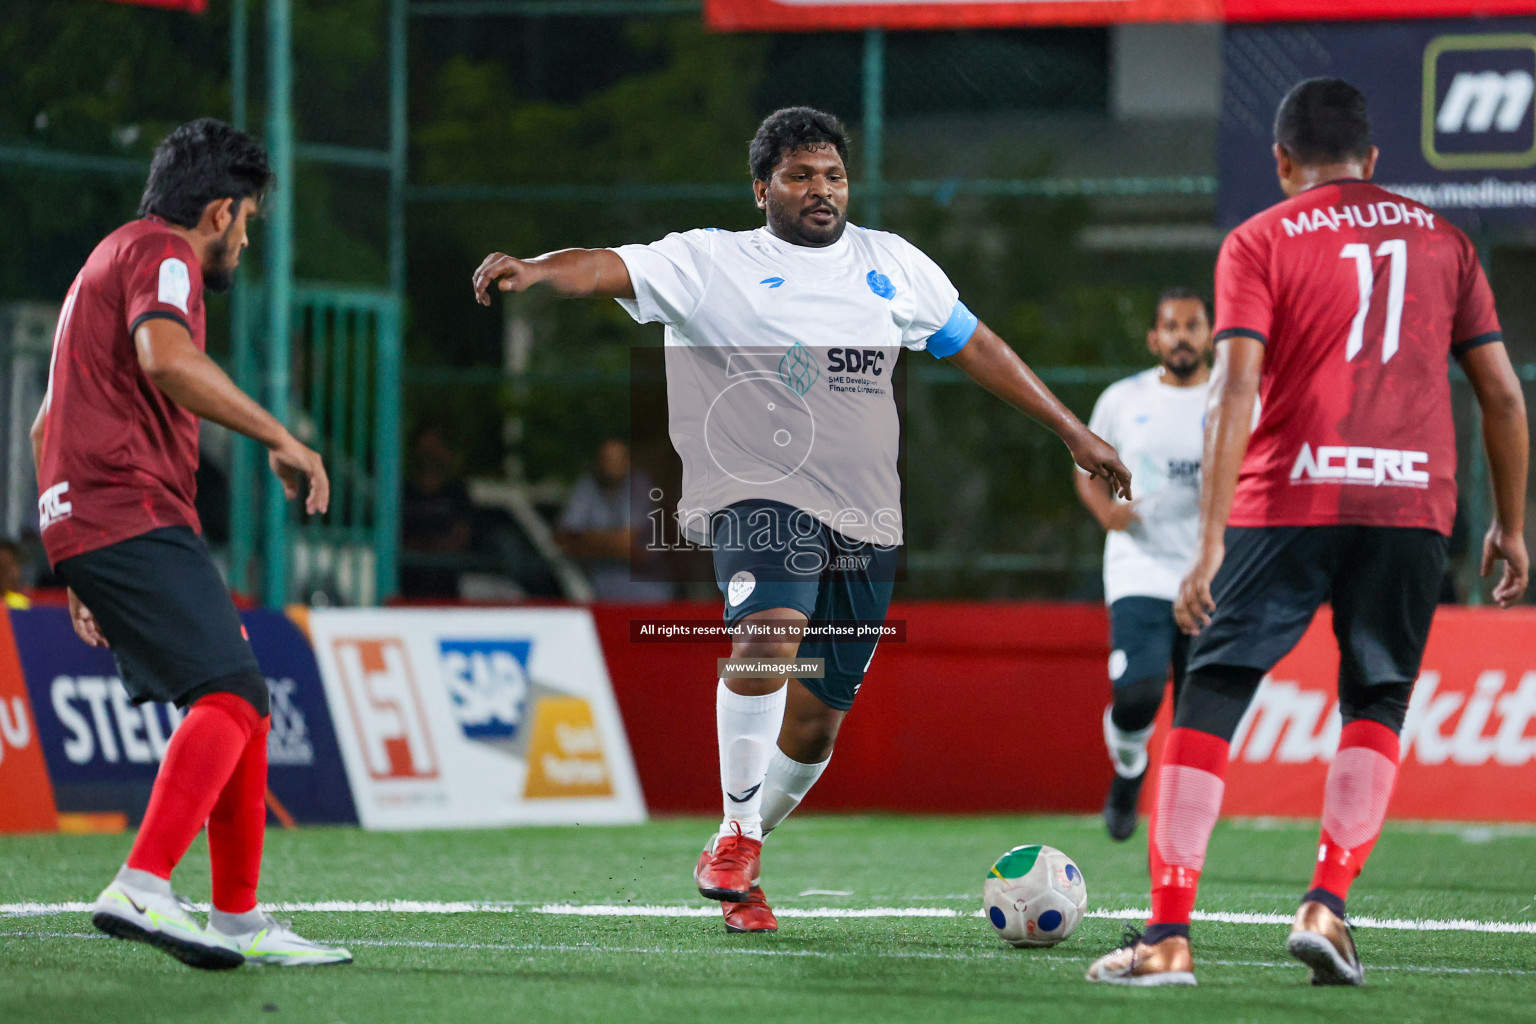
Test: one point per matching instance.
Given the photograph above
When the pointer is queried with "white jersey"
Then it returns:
(779, 365)
(1159, 431)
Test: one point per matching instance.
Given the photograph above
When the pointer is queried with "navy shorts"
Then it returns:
(772, 555)
(1383, 582)
(1145, 642)
(164, 608)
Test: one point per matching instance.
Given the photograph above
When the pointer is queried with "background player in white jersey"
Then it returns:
(1156, 421)
(779, 346)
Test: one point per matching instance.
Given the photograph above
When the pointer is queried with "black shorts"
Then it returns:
(772, 555)
(1145, 642)
(1383, 583)
(164, 608)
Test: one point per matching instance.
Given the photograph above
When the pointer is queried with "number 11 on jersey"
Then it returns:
(1365, 274)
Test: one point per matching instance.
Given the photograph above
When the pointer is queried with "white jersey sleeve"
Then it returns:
(939, 322)
(669, 276)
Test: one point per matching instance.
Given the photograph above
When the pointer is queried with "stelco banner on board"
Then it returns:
(804, 15)
(466, 718)
(102, 751)
(1451, 107)
(1468, 745)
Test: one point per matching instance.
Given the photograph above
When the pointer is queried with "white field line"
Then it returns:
(574, 947)
(835, 913)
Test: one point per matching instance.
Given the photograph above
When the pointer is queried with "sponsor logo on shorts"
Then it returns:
(1354, 464)
(740, 588)
(51, 506)
(1117, 664)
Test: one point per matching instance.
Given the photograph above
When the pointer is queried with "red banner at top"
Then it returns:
(813, 15)
(190, 6)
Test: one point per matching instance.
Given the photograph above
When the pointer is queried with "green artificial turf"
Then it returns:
(516, 963)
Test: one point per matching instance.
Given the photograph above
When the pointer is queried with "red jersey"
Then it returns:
(119, 457)
(1360, 296)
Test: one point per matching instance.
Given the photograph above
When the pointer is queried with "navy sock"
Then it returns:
(1156, 933)
(1333, 901)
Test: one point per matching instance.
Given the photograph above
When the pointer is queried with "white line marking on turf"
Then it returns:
(693, 951)
(835, 913)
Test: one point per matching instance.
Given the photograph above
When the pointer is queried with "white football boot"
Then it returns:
(163, 920)
(271, 941)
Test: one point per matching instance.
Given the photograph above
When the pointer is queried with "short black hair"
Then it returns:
(793, 129)
(199, 162)
(1323, 120)
(1179, 293)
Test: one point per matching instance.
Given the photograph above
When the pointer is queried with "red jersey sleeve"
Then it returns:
(160, 279)
(1476, 322)
(1244, 306)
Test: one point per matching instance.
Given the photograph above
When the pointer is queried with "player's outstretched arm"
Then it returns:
(1506, 440)
(990, 362)
(570, 273)
(174, 364)
(1228, 422)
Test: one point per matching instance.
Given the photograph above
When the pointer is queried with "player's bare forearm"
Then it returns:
(571, 273)
(196, 383)
(1099, 500)
(37, 434)
(1505, 430)
(989, 361)
(1228, 423)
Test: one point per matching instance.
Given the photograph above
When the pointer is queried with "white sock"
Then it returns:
(143, 881)
(748, 730)
(236, 924)
(786, 785)
(1127, 750)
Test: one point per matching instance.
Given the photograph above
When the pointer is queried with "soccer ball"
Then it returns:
(1034, 896)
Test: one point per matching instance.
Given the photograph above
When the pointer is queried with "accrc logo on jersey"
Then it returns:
(51, 506)
(386, 708)
(1478, 110)
(1353, 464)
(487, 680)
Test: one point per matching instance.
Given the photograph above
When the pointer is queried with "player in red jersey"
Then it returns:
(1338, 309)
(116, 449)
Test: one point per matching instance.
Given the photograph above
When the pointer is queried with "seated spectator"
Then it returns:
(436, 519)
(10, 576)
(600, 525)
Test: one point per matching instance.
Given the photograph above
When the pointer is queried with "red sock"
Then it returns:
(237, 827)
(198, 762)
(1360, 784)
(1190, 784)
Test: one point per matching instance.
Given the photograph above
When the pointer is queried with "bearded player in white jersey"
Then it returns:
(1156, 420)
(780, 344)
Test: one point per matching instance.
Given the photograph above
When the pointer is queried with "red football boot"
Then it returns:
(729, 867)
(752, 915)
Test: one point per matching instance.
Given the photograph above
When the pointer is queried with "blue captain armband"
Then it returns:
(957, 330)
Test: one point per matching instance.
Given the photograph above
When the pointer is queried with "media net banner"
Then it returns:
(1451, 109)
(807, 15)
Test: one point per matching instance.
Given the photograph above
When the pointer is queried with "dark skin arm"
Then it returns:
(1228, 422)
(1505, 438)
(569, 273)
(990, 362)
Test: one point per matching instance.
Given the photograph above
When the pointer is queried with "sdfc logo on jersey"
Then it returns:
(1478, 102)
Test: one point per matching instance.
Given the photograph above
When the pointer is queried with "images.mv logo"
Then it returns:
(1478, 109)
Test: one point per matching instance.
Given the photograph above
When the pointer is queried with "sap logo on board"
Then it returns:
(487, 681)
(386, 710)
(1288, 724)
(1356, 464)
(1477, 105)
(100, 722)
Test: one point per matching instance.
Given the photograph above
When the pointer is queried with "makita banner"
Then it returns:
(1451, 107)
(456, 718)
(103, 752)
(1469, 743)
